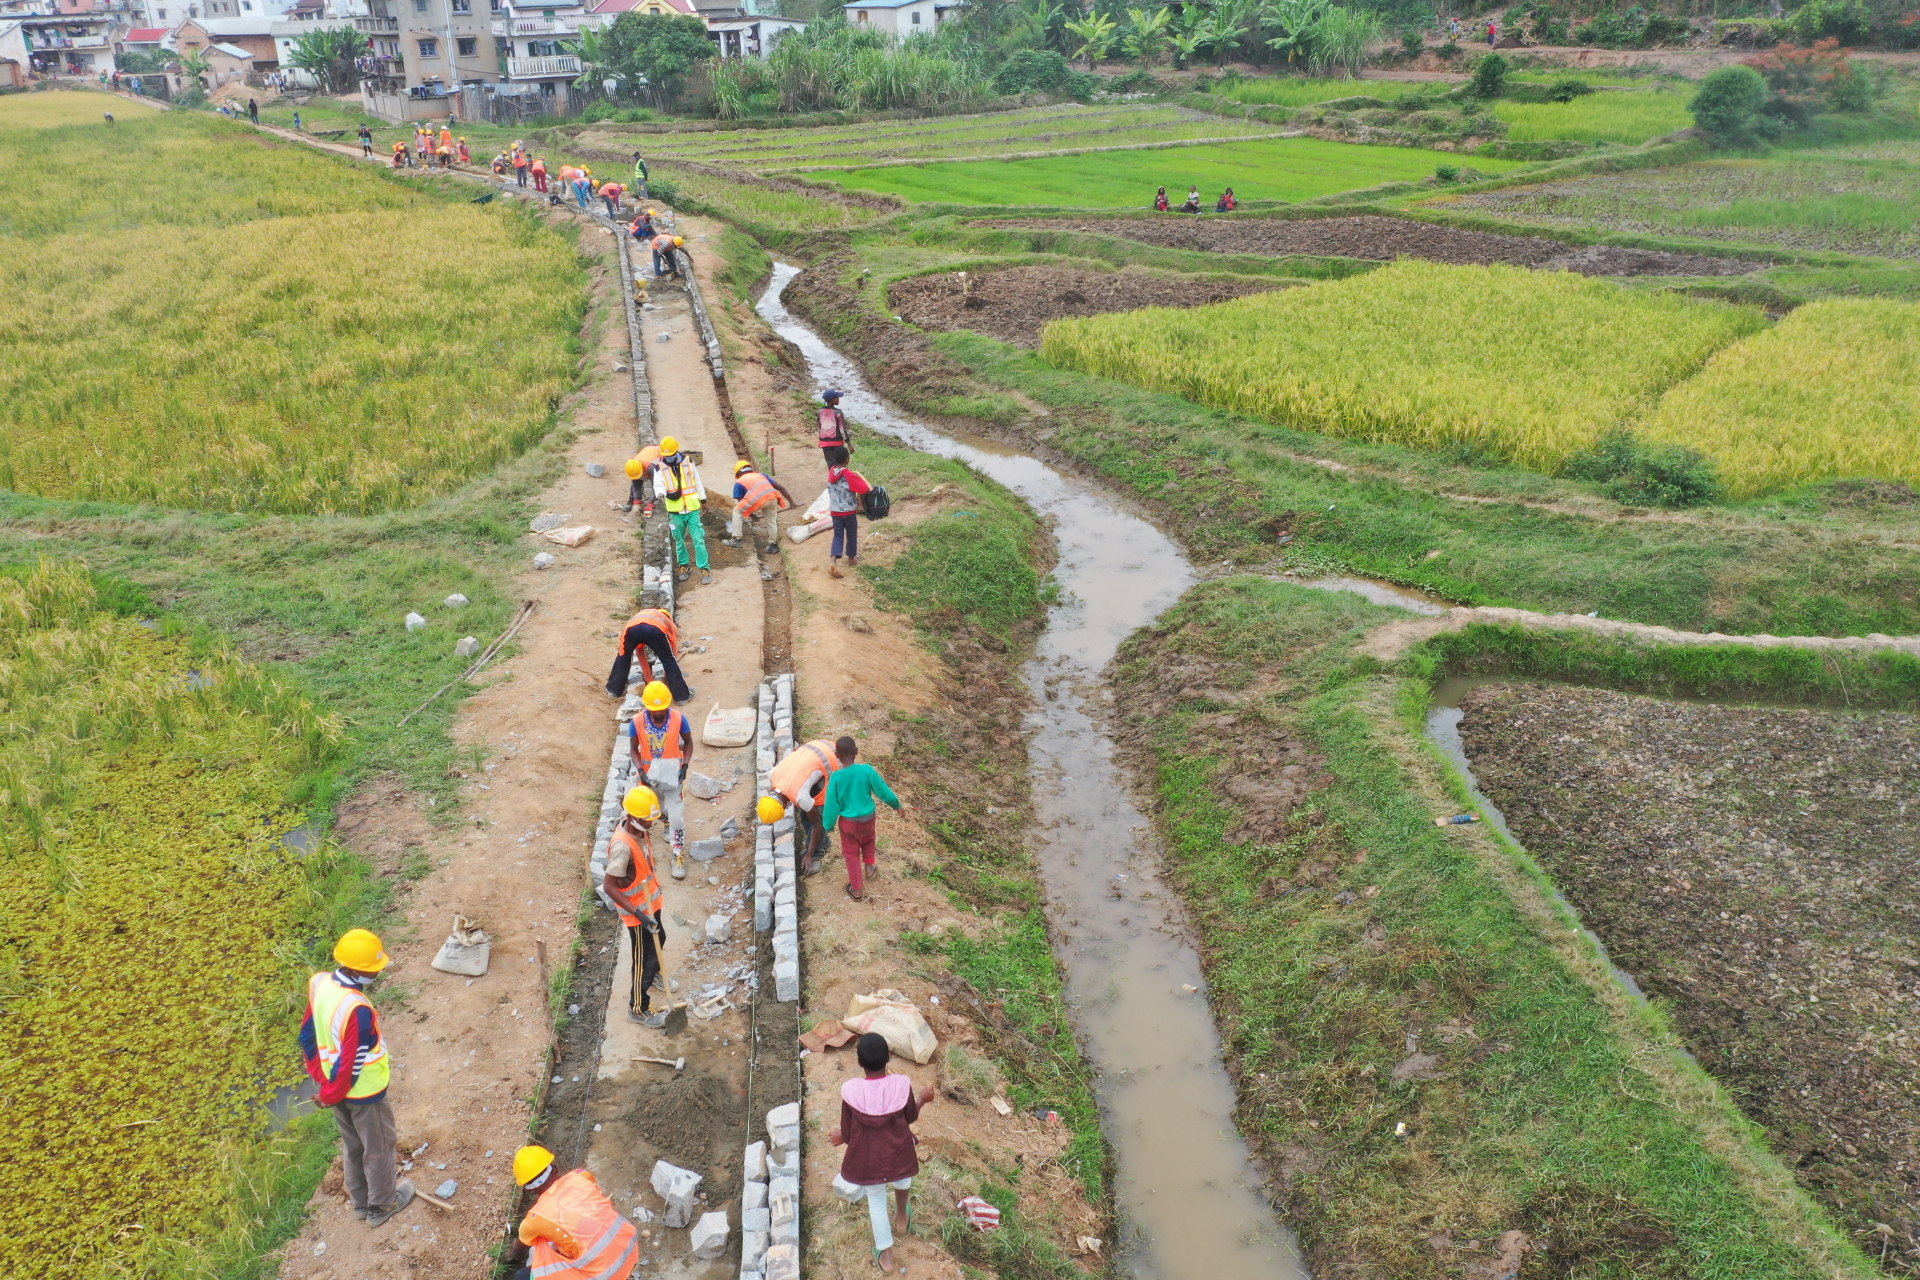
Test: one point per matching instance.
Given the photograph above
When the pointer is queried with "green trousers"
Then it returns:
(685, 526)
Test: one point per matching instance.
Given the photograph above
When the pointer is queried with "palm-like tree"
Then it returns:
(329, 53)
(194, 64)
(1295, 20)
(1148, 34)
(596, 58)
(1096, 32)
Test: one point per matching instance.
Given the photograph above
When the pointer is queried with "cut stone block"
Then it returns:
(788, 1166)
(466, 646)
(753, 1250)
(786, 982)
(784, 1199)
(754, 1194)
(719, 928)
(708, 1238)
(786, 946)
(756, 1219)
(707, 850)
(784, 1116)
(675, 1186)
(757, 1166)
(783, 1262)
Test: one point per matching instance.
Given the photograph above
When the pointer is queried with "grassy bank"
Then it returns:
(1426, 1056)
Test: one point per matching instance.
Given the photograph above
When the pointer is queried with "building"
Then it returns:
(253, 35)
(74, 44)
(748, 35)
(227, 63)
(898, 18)
(425, 52)
(149, 40)
(530, 39)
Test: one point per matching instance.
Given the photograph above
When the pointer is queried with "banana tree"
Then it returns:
(1149, 33)
(194, 64)
(1295, 20)
(329, 53)
(1190, 35)
(596, 61)
(1230, 20)
(1097, 34)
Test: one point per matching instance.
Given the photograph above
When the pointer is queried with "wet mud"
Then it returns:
(1015, 304)
(1754, 868)
(1384, 239)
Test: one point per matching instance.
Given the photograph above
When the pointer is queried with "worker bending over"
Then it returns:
(663, 247)
(654, 631)
(346, 1054)
(634, 886)
(662, 748)
(800, 781)
(573, 1232)
(639, 470)
(758, 500)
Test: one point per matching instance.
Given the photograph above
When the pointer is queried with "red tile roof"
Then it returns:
(146, 35)
(624, 6)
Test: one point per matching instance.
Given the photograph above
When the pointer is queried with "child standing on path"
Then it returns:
(850, 801)
(366, 141)
(844, 487)
(876, 1113)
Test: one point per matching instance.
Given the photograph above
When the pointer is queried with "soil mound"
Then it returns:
(1014, 304)
(1384, 239)
(1753, 866)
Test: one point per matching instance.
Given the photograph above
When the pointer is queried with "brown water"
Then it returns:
(1189, 1198)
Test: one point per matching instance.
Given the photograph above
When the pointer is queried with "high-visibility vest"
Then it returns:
(682, 490)
(833, 426)
(759, 491)
(669, 741)
(609, 1244)
(642, 896)
(653, 618)
(663, 243)
(332, 1005)
(791, 774)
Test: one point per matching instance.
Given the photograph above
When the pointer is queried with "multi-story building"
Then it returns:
(530, 39)
(425, 52)
(74, 44)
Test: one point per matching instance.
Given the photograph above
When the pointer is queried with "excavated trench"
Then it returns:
(1188, 1196)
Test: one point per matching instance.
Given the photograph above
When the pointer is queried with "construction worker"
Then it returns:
(758, 501)
(639, 467)
(661, 743)
(800, 781)
(539, 172)
(346, 1054)
(654, 630)
(573, 1232)
(835, 444)
(643, 228)
(634, 885)
(639, 176)
(681, 488)
(663, 247)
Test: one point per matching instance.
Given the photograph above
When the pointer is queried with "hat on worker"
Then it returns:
(656, 696)
(360, 949)
(642, 803)
(530, 1162)
(742, 465)
(770, 809)
(669, 446)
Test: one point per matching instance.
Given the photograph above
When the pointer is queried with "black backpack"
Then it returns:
(875, 504)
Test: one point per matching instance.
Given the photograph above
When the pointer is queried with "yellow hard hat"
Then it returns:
(360, 949)
(655, 697)
(670, 445)
(530, 1162)
(677, 242)
(743, 465)
(651, 213)
(635, 468)
(770, 809)
(641, 803)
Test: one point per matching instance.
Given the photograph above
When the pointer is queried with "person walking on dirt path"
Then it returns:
(757, 502)
(612, 193)
(844, 487)
(573, 1232)
(633, 883)
(539, 171)
(639, 483)
(684, 493)
(660, 740)
(296, 119)
(253, 112)
(347, 1056)
(663, 246)
(1492, 38)
(877, 1113)
(836, 442)
(639, 177)
(655, 631)
(366, 142)
(800, 782)
(850, 809)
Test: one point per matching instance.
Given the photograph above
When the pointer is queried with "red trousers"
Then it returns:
(856, 846)
(539, 180)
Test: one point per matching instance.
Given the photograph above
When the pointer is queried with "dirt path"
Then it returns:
(1390, 642)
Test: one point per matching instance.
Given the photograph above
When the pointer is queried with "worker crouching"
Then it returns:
(799, 782)
(573, 1232)
(758, 500)
(634, 885)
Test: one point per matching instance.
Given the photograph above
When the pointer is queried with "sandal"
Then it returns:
(857, 897)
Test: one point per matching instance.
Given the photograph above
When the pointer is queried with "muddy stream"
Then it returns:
(1189, 1198)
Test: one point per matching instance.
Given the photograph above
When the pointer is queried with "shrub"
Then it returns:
(1447, 172)
(1843, 21)
(1727, 106)
(1567, 89)
(1412, 41)
(1490, 76)
(1030, 70)
(1662, 476)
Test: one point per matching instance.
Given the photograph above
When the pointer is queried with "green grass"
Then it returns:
(1633, 117)
(1281, 169)
(1549, 1112)
(1304, 91)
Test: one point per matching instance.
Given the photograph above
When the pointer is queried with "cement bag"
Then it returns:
(816, 519)
(465, 951)
(572, 537)
(730, 726)
(889, 1013)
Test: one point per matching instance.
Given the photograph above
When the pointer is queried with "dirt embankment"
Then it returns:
(1384, 239)
(1754, 866)
(1015, 304)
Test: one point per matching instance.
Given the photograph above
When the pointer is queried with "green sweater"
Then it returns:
(851, 792)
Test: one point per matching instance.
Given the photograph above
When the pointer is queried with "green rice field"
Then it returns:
(1632, 117)
(1278, 169)
(1305, 91)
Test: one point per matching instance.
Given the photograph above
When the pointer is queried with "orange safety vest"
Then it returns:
(608, 1244)
(791, 773)
(669, 742)
(663, 243)
(833, 426)
(642, 895)
(654, 618)
(759, 490)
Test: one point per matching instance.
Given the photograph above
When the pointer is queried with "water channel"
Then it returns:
(1189, 1198)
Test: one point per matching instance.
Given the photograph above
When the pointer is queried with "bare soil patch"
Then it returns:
(1384, 239)
(1015, 304)
(1752, 866)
